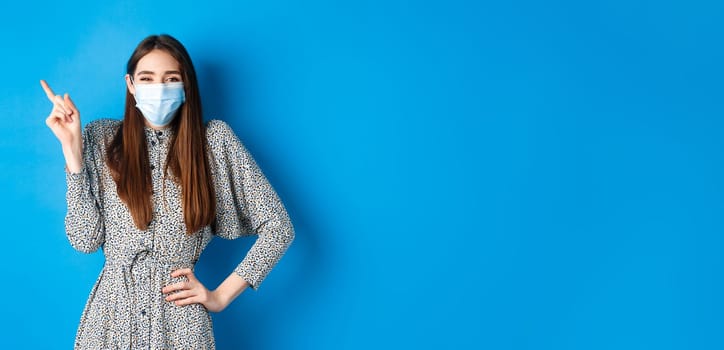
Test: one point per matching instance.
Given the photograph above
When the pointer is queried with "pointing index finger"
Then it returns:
(48, 91)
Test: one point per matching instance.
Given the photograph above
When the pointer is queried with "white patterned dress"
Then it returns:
(126, 309)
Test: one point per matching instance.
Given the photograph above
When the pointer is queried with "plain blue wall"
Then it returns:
(461, 174)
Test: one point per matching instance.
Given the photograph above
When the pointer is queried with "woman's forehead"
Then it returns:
(157, 62)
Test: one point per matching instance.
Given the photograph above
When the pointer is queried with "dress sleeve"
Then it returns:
(247, 205)
(83, 221)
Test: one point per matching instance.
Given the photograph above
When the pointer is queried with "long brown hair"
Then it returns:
(127, 153)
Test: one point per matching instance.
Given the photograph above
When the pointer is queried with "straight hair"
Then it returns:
(186, 163)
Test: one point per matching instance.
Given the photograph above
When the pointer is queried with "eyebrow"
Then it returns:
(152, 73)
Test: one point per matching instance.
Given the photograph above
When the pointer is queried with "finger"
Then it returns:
(48, 91)
(60, 116)
(61, 111)
(175, 287)
(64, 116)
(181, 295)
(52, 120)
(181, 272)
(60, 104)
(66, 105)
(55, 123)
(69, 103)
(187, 301)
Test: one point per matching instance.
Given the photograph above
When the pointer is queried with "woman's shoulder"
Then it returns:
(102, 130)
(103, 127)
(219, 133)
(217, 126)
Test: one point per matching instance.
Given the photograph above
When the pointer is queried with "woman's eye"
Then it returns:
(173, 79)
(145, 79)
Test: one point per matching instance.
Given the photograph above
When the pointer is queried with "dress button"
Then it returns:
(153, 143)
(159, 133)
(153, 167)
(143, 312)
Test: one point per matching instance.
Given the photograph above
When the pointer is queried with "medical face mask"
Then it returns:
(159, 102)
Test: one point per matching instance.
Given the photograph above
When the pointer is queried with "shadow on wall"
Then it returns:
(289, 288)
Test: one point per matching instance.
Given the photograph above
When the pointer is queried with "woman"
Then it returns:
(152, 190)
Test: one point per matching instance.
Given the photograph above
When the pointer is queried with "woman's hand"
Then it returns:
(192, 292)
(64, 121)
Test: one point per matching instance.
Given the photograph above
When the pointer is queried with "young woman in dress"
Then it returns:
(152, 190)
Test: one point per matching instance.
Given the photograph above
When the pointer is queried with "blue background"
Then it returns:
(461, 174)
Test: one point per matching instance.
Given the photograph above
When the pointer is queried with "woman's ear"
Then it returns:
(130, 86)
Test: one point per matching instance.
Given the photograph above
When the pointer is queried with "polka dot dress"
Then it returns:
(126, 309)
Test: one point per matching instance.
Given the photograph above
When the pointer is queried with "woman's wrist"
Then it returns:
(229, 290)
(73, 160)
(220, 300)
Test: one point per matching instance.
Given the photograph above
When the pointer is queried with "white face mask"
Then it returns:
(159, 102)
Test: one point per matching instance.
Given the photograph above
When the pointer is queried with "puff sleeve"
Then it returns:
(246, 204)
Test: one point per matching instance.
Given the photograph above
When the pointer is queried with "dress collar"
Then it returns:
(159, 134)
